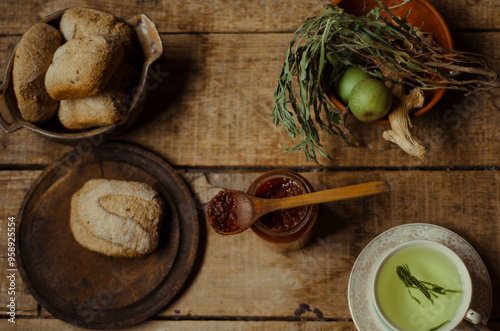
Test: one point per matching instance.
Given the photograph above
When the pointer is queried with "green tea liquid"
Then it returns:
(426, 264)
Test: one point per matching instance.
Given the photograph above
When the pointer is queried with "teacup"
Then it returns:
(401, 308)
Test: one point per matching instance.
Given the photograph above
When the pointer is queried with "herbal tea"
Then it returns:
(410, 308)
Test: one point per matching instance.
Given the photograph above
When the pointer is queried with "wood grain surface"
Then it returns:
(209, 115)
(318, 274)
(178, 16)
(213, 108)
(56, 325)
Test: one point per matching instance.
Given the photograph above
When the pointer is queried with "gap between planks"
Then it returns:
(190, 169)
(494, 30)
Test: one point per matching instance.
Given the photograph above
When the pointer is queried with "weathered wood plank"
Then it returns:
(469, 14)
(467, 202)
(56, 325)
(13, 185)
(229, 121)
(213, 108)
(25, 305)
(176, 16)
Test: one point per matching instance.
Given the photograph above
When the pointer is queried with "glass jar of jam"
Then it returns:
(289, 229)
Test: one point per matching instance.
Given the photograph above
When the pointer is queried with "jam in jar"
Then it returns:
(288, 229)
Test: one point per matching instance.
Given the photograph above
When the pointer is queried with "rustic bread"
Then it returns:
(83, 22)
(116, 218)
(105, 108)
(82, 67)
(31, 61)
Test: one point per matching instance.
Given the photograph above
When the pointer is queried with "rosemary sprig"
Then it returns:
(429, 290)
(372, 43)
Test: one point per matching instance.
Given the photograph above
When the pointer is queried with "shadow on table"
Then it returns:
(349, 222)
(333, 218)
(329, 221)
(169, 81)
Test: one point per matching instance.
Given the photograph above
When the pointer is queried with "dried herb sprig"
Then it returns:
(372, 43)
(429, 290)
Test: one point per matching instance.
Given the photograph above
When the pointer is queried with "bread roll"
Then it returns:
(32, 59)
(116, 218)
(83, 22)
(105, 108)
(82, 67)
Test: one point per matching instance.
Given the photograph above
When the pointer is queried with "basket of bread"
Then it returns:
(79, 74)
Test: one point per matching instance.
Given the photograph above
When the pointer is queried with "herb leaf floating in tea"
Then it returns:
(429, 290)
(439, 326)
(324, 46)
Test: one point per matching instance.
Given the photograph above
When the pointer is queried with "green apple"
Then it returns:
(349, 79)
(370, 100)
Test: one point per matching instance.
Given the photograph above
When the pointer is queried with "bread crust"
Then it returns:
(117, 218)
(105, 108)
(80, 22)
(31, 61)
(82, 67)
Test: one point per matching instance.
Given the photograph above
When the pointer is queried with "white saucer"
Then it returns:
(359, 294)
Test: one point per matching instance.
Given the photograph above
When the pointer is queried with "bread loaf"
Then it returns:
(83, 22)
(82, 67)
(116, 218)
(105, 108)
(31, 61)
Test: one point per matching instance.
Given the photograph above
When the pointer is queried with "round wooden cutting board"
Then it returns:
(89, 289)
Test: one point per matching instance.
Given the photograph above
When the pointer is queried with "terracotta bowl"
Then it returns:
(152, 49)
(422, 12)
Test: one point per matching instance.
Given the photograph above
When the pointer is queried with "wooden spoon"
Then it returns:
(231, 212)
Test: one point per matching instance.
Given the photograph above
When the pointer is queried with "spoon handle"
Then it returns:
(336, 194)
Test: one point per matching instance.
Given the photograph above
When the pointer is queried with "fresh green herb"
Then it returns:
(324, 46)
(429, 290)
(439, 326)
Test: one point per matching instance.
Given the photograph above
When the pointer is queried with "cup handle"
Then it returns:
(473, 317)
(473, 321)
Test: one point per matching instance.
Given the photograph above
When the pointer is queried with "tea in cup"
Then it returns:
(422, 285)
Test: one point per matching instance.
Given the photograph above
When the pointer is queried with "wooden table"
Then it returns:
(211, 119)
